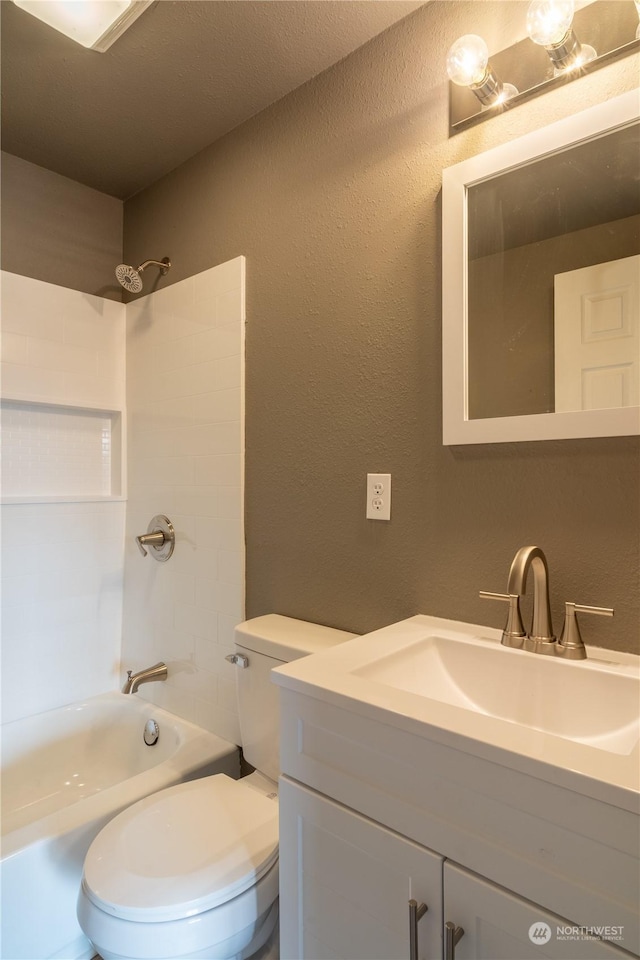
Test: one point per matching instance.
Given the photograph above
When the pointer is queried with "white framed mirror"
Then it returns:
(541, 283)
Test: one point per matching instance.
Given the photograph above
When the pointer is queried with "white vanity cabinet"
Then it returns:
(374, 813)
(346, 883)
(498, 925)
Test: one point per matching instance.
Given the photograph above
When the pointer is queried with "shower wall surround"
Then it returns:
(62, 559)
(185, 357)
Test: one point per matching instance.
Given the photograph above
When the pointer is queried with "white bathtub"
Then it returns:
(65, 773)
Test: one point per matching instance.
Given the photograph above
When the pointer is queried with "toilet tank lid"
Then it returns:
(286, 638)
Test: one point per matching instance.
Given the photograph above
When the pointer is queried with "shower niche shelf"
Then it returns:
(56, 453)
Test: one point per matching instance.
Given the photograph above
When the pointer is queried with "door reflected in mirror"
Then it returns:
(541, 283)
(597, 335)
(538, 237)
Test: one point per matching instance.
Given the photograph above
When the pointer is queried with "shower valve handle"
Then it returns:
(155, 539)
(160, 536)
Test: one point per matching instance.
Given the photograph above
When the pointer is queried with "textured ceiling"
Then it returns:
(184, 74)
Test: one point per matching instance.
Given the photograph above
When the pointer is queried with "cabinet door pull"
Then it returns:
(416, 912)
(452, 936)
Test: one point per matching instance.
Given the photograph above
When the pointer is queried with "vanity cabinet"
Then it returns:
(501, 926)
(373, 815)
(346, 883)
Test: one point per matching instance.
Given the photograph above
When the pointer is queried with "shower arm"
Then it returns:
(163, 264)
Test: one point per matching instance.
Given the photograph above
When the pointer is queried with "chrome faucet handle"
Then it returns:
(570, 645)
(513, 634)
(155, 539)
(160, 536)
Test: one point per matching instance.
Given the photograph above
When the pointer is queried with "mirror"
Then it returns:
(541, 283)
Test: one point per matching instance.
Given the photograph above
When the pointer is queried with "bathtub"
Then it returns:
(65, 773)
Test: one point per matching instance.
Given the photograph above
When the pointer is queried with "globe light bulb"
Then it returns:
(549, 21)
(468, 66)
(467, 60)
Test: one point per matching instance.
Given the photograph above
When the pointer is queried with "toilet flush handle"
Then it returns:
(238, 659)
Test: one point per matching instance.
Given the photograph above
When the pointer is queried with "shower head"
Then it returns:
(130, 278)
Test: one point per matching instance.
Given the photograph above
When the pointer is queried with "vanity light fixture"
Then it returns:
(562, 33)
(92, 23)
(468, 66)
(549, 24)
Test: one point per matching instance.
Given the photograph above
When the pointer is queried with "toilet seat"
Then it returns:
(182, 851)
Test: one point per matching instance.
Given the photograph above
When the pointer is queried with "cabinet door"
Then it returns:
(501, 926)
(346, 882)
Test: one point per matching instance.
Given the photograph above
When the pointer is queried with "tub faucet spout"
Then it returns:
(541, 638)
(157, 672)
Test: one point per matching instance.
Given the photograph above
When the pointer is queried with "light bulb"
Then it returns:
(468, 66)
(549, 21)
(549, 25)
(467, 60)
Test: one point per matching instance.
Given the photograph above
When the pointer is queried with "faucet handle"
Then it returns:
(513, 634)
(156, 539)
(160, 536)
(570, 645)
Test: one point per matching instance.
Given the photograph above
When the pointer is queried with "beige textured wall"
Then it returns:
(59, 231)
(333, 195)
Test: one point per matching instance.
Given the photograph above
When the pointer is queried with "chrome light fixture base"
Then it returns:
(608, 26)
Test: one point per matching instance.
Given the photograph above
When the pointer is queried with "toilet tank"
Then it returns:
(269, 642)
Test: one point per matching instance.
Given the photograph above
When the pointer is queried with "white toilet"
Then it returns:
(192, 871)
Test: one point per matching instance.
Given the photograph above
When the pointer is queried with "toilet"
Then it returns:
(192, 871)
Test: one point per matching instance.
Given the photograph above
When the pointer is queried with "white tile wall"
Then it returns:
(62, 572)
(61, 588)
(185, 361)
(55, 451)
(62, 563)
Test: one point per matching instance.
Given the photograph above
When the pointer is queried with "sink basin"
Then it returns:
(572, 723)
(592, 702)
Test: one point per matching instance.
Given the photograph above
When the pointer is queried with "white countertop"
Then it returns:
(338, 676)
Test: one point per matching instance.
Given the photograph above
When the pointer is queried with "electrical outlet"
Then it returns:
(378, 496)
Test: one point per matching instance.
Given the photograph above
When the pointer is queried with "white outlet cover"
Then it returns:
(378, 496)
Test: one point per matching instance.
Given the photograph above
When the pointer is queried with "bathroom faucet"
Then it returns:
(540, 638)
(157, 672)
